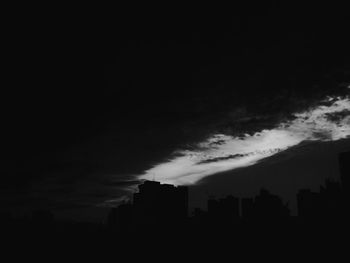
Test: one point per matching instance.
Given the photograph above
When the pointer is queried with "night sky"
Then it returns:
(95, 98)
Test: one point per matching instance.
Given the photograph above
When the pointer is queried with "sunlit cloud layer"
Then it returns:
(329, 121)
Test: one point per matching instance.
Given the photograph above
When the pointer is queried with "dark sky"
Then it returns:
(113, 90)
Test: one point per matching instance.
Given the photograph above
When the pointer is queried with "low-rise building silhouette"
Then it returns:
(309, 204)
(247, 208)
(224, 210)
(327, 204)
(121, 217)
(269, 206)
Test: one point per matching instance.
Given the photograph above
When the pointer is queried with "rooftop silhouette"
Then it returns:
(156, 207)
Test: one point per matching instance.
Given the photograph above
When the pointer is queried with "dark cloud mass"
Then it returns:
(95, 99)
(338, 116)
(231, 156)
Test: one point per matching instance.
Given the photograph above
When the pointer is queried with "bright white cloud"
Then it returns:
(223, 152)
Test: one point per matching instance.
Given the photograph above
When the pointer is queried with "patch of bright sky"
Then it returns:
(223, 152)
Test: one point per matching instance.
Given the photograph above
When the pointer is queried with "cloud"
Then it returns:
(326, 121)
(114, 201)
(122, 183)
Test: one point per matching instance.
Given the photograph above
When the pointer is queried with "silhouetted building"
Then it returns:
(154, 205)
(344, 165)
(309, 204)
(159, 204)
(269, 206)
(121, 218)
(199, 213)
(224, 210)
(5, 217)
(42, 221)
(326, 205)
(43, 217)
(199, 218)
(247, 208)
(332, 197)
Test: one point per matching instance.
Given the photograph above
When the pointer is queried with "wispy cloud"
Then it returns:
(327, 121)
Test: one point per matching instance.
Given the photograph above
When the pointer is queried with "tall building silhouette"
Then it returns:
(154, 205)
(157, 204)
(344, 165)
